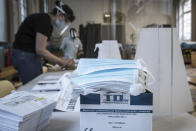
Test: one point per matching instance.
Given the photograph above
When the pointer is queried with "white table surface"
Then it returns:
(70, 121)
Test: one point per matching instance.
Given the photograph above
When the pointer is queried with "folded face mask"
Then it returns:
(87, 66)
(119, 75)
(111, 75)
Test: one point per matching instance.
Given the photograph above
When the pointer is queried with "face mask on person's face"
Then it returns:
(61, 26)
(73, 34)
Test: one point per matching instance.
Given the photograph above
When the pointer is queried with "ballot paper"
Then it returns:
(22, 111)
(60, 90)
(69, 105)
(49, 80)
(47, 87)
(68, 100)
(53, 95)
(50, 83)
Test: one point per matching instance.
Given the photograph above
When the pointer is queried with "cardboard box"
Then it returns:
(193, 59)
(116, 112)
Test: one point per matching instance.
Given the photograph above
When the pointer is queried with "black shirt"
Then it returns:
(26, 35)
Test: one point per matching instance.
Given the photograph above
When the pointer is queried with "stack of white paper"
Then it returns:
(109, 75)
(24, 111)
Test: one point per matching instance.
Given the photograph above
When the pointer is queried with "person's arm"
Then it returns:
(41, 43)
(80, 49)
(80, 52)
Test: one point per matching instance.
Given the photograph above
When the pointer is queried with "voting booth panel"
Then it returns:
(116, 111)
(159, 49)
(109, 49)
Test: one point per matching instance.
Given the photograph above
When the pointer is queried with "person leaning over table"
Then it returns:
(31, 41)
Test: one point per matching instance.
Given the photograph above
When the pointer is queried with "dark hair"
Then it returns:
(73, 29)
(68, 11)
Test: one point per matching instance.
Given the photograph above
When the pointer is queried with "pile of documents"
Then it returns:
(25, 111)
(112, 75)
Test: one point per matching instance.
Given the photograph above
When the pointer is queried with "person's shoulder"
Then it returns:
(66, 40)
(39, 16)
(78, 40)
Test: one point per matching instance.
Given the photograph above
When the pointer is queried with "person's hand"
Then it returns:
(68, 63)
(80, 53)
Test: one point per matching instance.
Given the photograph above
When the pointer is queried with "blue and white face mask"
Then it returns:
(107, 80)
(109, 75)
(118, 75)
(61, 26)
(104, 64)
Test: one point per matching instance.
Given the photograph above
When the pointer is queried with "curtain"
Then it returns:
(193, 20)
(33, 6)
(90, 35)
(14, 13)
(13, 18)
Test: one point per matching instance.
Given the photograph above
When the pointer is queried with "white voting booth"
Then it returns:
(159, 49)
(108, 49)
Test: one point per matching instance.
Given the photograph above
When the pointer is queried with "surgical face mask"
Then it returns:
(104, 64)
(73, 34)
(123, 75)
(111, 75)
(61, 26)
(116, 80)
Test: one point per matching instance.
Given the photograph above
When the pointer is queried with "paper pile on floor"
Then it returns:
(24, 111)
(112, 75)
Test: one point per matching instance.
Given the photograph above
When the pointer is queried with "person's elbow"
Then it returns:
(41, 43)
(40, 51)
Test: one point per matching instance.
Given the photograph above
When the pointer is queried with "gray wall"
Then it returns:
(3, 21)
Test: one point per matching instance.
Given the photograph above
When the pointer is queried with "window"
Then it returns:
(185, 20)
(45, 6)
(23, 9)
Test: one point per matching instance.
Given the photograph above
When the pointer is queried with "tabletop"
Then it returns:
(70, 121)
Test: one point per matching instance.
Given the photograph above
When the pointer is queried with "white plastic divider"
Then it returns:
(160, 50)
